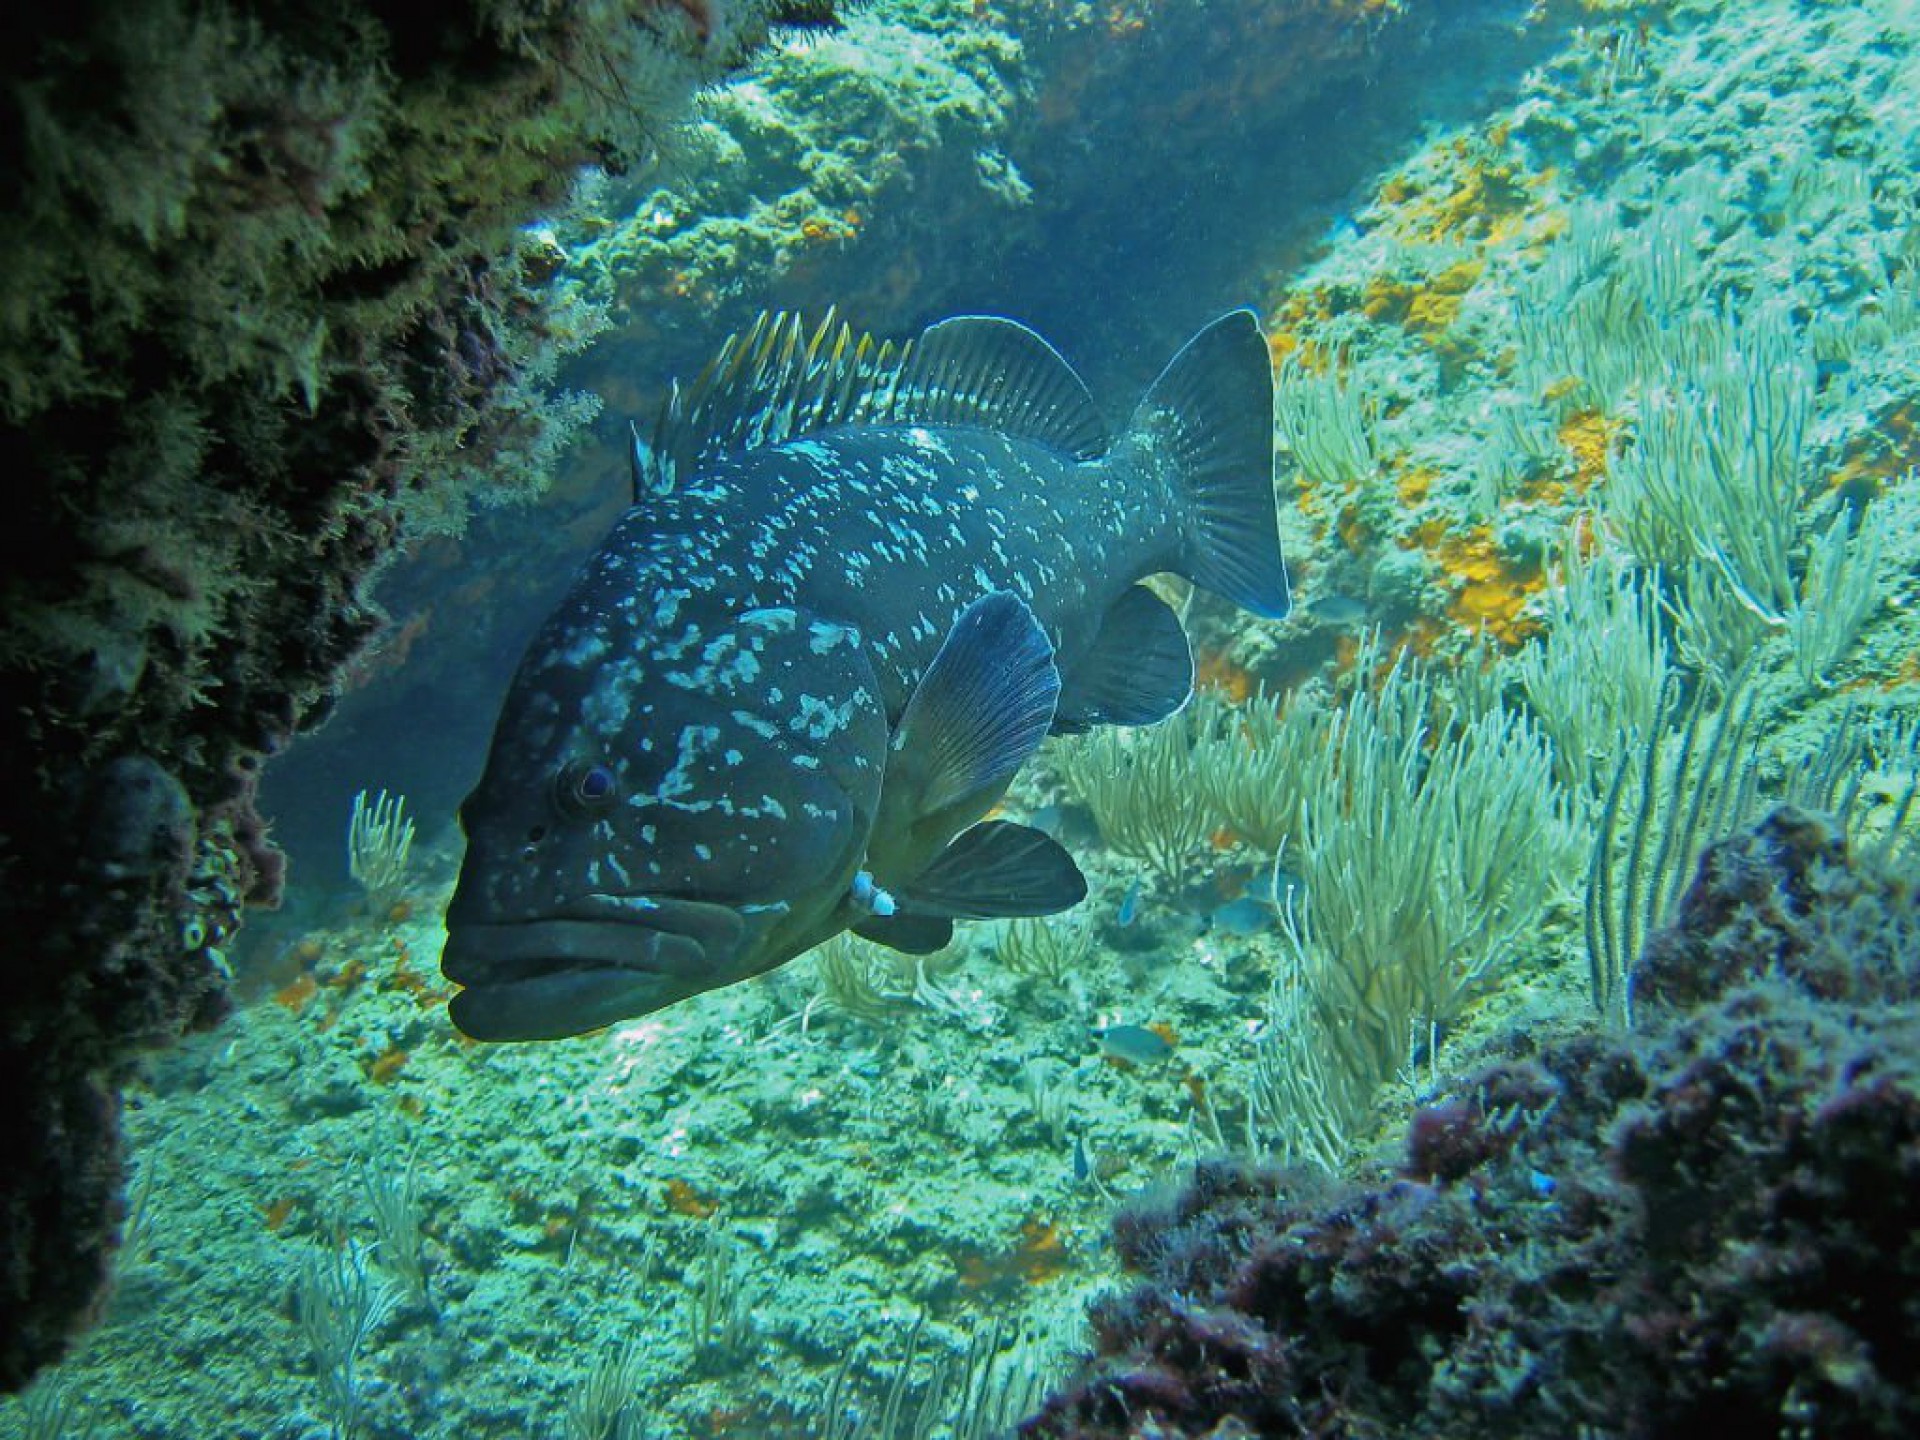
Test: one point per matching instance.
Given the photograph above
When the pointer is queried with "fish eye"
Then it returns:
(582, 789)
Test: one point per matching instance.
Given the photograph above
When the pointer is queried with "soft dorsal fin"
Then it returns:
(779, 379)
(982, 370)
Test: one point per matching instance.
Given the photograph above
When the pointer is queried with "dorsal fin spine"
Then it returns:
(780, 379)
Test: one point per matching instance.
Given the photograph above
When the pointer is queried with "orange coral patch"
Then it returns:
(1435, 308)
(1872, 461)
(1492, 591)
(1346, 650)
(1589, 436)
(1215, 671)
(1424, 636)
(1413, 486)
(1907, 674)
(295, 994)
(1197, 1091)
(1042, 1254)
(1398, 190)
(683, 1199)
(1039, 1256)
(1353, 531)
(408, 981)
(1485, 195)
(1424, 308)
(1386, 302)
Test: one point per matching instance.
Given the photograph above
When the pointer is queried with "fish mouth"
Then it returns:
(602, 959)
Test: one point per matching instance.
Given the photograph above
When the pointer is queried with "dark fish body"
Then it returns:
(856, 591)
(892, 530)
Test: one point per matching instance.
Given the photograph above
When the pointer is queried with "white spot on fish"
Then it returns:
(694, 739)
(755, 724)
(825, 634)
(583, 649)
(666, 607)
(819, 720)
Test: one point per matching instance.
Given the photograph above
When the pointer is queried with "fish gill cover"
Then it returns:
(1594, 331)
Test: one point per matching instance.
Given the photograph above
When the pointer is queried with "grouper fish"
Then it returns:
(858, 586)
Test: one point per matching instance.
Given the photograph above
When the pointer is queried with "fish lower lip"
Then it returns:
(669, 937)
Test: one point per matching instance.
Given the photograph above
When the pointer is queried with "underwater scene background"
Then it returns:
(1494, 1007)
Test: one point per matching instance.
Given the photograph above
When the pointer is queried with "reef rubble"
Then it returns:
(1706, 1222)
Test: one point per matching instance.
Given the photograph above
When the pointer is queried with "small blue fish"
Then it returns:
(1243, 917)
(1049, 820)
(1273, 886)
(859, 585)
(1341, 232)
(1082, 1167)
(1132, 1044)
(1129, 910)
(1341, 611)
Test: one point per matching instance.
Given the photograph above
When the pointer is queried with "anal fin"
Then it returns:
(1138, 671)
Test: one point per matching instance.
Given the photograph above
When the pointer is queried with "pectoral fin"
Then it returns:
(981, 709)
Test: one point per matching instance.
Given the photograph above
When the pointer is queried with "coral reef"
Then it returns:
(1709, 1223)
(268, 308)
(941, 155)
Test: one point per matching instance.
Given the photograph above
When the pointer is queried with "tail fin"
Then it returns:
(1207, 426)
